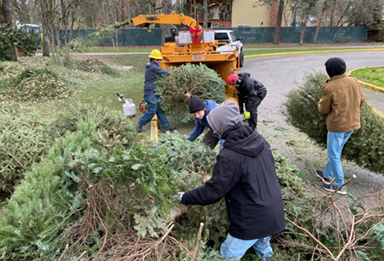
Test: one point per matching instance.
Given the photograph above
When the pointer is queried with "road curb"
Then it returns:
(367, 85)
(306, 52)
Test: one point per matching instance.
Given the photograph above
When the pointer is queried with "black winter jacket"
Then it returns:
(245, 174)
(249, 89)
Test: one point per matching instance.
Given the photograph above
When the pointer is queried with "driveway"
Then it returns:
(279, 74)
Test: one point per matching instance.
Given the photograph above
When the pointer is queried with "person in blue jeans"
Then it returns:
(152, 70)
(200, 110)
(341, 101)
(245, 175)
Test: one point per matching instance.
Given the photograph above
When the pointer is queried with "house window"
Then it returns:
(244, 27)
(228, 7)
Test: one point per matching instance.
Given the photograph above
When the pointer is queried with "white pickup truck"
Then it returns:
(229, 42)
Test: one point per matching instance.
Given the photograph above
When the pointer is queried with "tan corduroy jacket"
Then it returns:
(342, 99)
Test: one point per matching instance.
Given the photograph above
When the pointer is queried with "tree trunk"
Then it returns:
(303, 27)
(165, 28)
(205, 8)
(8, 17)
(45, 43)
(177, 7)
(2, 18)
(320, 20)
(333, 12)
(63, 15)
(123, 11)
(279, 20)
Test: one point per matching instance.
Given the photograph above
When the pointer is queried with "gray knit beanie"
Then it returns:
(224, 117)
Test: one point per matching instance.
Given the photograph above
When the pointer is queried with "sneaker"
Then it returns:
(170, 129)
(138, 128)
(324, 179)
(332, 188)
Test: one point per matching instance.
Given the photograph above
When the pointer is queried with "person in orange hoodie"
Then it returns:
(341, 100)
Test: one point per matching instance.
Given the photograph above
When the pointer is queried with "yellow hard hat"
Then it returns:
(155, 54)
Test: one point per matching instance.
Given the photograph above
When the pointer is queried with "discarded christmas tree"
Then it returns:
(365, 146)
(186, 81)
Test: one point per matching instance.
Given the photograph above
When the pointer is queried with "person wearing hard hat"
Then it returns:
(249, 91)
(152, 70)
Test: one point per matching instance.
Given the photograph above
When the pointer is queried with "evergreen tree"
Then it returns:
(366, 145)
(186, 81)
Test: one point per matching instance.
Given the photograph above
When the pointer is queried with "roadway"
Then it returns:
(279, 74)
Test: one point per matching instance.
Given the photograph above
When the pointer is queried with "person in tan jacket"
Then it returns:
(341, 100)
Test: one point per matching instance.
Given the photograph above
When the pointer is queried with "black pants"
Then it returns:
(252, 122)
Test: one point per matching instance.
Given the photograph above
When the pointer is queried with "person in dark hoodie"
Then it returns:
(341, 101)
(152, 70)
(200, 110)
(245, 175)
(249, 91)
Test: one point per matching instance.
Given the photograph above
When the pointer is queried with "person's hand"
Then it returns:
(183, 208)
(179, 210)
(180, 195)
(247, 115)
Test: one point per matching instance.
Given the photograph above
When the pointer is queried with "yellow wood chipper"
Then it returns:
(193, 46)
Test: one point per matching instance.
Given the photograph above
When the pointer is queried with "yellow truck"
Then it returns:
(193, 46)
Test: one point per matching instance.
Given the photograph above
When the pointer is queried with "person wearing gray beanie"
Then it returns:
(200, 110)
(224, 117)
(245, 175)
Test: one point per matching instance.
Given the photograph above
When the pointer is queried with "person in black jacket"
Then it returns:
(249, 91)
(245, 175)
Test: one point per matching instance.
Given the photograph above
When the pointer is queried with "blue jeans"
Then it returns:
(335, 145)
(153, 108)
(234, 247)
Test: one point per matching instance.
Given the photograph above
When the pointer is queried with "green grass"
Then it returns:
(275, 51)
(120, 50)
(371, 75)
(97, 89)
(138, 61)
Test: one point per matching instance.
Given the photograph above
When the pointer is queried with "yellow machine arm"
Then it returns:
(172, 18)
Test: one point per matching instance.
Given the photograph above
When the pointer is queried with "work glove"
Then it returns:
(178, 196)
(247, 115)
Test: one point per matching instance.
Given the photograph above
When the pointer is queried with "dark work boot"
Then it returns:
(170, 129)
(138, 128)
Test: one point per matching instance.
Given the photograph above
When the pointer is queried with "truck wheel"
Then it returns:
(241, 60)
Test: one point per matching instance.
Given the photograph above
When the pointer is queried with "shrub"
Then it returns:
(31, 221)
(365, 146)
(23, 142)
(92, 65)
(114, 129)
(34, 85)
(27, 42)
(9, 69)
